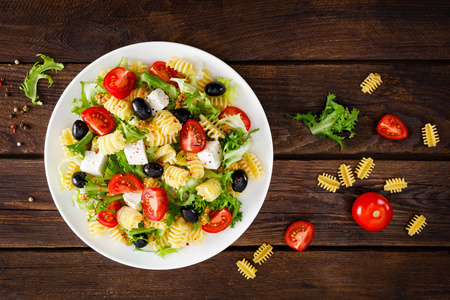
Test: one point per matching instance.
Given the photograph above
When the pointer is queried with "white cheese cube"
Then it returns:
(158, 100)
(135, 153)
(133, 200)
(94, 163)
(211, 156)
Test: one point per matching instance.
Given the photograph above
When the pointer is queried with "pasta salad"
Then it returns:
(158, 156)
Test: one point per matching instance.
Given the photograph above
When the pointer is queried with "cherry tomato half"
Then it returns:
(372, 211)
(115, 206)
(299, 235)
(154, 203)
(192, 137)
(99, 120)
(160, 69)
(391, 127)
(233, 110)
(119, 82)
(124, 183)
(107, 218)
(218, 220)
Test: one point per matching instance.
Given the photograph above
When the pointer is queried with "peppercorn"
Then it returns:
(12, 116)
(2, 79)
(13, 128)
(26, 108)
(16, 109)
(26, 127)
(22, 111)
(21, 125)
(17, 61)
(6, 95)
(31, 199)
(19, 144)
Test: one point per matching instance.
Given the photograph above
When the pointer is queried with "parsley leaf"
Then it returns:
(334, 119)
(29, 86)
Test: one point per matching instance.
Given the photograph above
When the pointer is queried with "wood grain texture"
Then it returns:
(242, 30)
(364, 274)
(413, 91)
(293, 195)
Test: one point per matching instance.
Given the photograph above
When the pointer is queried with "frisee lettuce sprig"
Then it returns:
(29, 86)
(334, 119)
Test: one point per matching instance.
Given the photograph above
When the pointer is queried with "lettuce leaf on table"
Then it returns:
(334, 119)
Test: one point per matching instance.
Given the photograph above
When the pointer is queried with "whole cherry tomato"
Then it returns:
(372, 211)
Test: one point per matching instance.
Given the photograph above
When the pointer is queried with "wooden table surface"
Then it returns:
(292, 53)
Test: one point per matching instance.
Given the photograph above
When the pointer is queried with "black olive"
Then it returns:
(140, 242)
(141, 109)
(189, 214)
(240, 181)
(79, 179)
(214, 88)
(79, 129)
(182, 114)
(153, 170)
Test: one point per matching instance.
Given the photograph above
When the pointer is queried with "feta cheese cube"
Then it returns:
(158, 100)
(211, 156)
(133, 200)
(94, 163)
(135, 153)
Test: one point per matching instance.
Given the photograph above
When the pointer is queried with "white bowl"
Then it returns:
(252, 198)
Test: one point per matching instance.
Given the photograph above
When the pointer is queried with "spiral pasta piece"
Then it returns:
(118, 107)
(128, 218)
(346, 175)
(430, 135)
(204, 80)
(94, 144)
(196, 236)
(195, 165)
(167, 123)
(180, 65)
(175, 176)
(66, 138)
(155, 138)
(219, 102)
(139, 92)
(328, 182)
(179, 233)
(155, 224)
(210, 189)
(111, 143)
(96, 229)
(71, 169)
(117, 235)
(364, 168)
(211, 129)
(251, 165)
(165, 154)
(371, 83)
(137, 67)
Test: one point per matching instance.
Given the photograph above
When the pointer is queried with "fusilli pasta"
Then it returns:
(175, 176)
(118, 107)
(111, 143)
(180, 65)
(195, 165)
(210, 189)
(128, 218)
(211, 129)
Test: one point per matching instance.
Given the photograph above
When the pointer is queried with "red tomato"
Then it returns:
(119, 82)
(233, 110)
(124, 183)
(372, 211)
(160, 69)
(218, 220)
(299, 235)
(391, 127)
(192, 137)
(154, 203)
(98, 119)
(107, 218)
(115, 206)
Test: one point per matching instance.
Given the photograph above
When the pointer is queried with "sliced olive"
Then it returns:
(153, 170)
(141, 241)
(79, 129)
(79, 179)
(240, 181)
(214, 88)
(141, 109)
(189, 214)
(182, 114)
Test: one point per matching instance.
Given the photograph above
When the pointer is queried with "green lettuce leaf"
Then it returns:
(235, 145)
(80, 147)
(334, 119)
(230, 90)
(156, 82)
(88, 92)
(29, 86)
(131, 133)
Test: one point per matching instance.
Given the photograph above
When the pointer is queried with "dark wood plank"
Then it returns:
(362, 274)
(412, 91)
(293, 195)
(246, 30)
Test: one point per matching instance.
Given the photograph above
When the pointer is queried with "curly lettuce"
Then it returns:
(29, 86)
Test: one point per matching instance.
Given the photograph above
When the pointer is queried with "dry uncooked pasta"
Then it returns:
(395, 185)
(328, 182)
(263, 253)
(364, 168)
(246, 269)
(346, 175)
(430, 135)
(371, 83)
(416, 225)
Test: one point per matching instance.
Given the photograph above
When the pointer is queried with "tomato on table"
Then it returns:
(218, 220)
(192, 137)
(391, 127)
(154, 203)
(99, 120)
(233, 110)
(160, 69)
(372, 211)
(299, 235)
(119, 82)
(124, 183)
